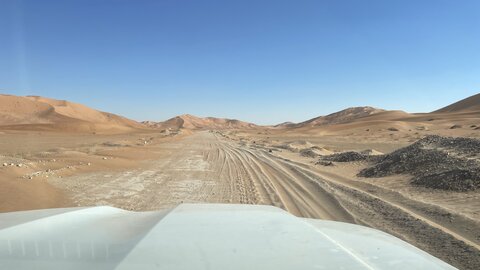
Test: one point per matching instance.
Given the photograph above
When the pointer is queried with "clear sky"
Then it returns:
(265, 61)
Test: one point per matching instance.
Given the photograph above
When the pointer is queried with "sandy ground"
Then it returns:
(147, 171)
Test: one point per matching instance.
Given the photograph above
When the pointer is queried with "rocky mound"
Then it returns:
(457, 179)
(345, 157)
(435, 162)
(308, 153)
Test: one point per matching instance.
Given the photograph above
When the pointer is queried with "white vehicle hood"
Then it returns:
(197, 236)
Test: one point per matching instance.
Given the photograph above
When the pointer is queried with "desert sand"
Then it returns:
(62, 154)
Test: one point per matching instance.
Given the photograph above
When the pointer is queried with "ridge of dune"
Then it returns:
(343, 116)
(82, 112)
(35, 112)
(16, 110)
(394, 115)
(468, 104)
(73, 110)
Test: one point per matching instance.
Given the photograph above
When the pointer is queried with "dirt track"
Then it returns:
(206, 167)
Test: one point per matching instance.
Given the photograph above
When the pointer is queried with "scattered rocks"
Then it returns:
(315, 151)
(5, 164)
(435, 162)
(345, 157)
(324, 163)
(308, 153)
(20, 165)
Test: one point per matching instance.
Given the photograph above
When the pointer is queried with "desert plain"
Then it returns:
(413, 175)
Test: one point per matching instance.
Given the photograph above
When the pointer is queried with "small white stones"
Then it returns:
(104, 158)
(88, 164)
(5, 164)
(20, 165)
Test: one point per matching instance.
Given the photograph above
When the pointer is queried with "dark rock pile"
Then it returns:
(435, 162)
(456, 179)
(324, 163)
(309, 152)
(345, 157)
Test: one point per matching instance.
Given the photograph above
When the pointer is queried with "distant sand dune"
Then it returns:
(469, 104)
(39, 113)
(188, 121)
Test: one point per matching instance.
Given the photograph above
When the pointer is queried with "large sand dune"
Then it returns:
(39, 113)
(459, 119)
(344, 116)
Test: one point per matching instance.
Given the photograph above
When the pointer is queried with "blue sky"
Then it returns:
(264, 61)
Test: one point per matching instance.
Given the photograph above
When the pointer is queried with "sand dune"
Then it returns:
(19, 110)
(188, 121)
(34, 112)
(469, 104)
(463, 116)
(343, 116)
(39, 113)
